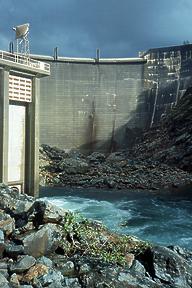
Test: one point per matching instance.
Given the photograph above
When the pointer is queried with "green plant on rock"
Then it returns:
(91, 238)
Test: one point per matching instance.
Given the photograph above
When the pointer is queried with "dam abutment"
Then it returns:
(95, 105)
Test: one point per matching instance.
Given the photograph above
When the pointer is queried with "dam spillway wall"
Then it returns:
(83, 104)
(102, 104)
(169, 74)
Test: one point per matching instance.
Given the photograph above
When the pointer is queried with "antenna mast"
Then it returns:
(22, 40)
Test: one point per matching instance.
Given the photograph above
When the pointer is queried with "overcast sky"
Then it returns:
(120, 28)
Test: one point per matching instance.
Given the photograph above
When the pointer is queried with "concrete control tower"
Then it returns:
(19, 120)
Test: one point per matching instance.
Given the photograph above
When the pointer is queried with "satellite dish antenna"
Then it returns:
(21, 36)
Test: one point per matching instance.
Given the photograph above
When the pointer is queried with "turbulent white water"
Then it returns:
(160, 218)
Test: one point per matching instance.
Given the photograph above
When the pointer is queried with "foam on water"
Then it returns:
(153, 218)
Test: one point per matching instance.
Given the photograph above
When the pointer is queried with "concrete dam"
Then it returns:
(101, 104)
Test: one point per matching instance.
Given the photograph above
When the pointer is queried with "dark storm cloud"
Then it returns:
(120, 28)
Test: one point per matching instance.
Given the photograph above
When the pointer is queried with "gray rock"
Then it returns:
(14, 281)
(73, 166)
(13, 250)
(51, 213)
(84, 268)
(4, 269)
(125, 277)
(116, 157)
(109, 181)
(96, 157)
(14, 201)
(2, 243)
(138, 268)
(129, 280)
(68, 268)
(56, 285)
(5, 273)
(169, 266)
(7, 223)
(3, 281)
(45, 261)
(72, 282)
(3, 265)
(42, 242)
(51, 277)
(23, 264)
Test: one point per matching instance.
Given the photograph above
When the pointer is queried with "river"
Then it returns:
(163, 217)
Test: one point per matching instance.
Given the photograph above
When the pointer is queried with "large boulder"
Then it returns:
(24, 263)
(170, 267)
(3, 282)
(13, 202)
(43, 241)
(35, 271)
(7, 223)
(50, 213)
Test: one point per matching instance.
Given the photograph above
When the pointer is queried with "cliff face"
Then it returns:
(171, 141)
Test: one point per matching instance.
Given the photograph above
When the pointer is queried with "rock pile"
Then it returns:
(44, 246)
(118, 170)
(171, 142)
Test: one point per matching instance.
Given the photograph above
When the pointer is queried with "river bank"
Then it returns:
(160, 216)
(118, 170)
(42, 245)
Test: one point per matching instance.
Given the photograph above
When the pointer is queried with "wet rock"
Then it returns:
(43, 241)
(23, 264)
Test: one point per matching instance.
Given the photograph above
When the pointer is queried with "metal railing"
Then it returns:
(27, 61)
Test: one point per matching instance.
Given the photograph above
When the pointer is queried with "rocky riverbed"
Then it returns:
(118, 170)
(171, 141)
(42, 245)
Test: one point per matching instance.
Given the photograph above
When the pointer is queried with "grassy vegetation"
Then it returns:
(91, 238)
